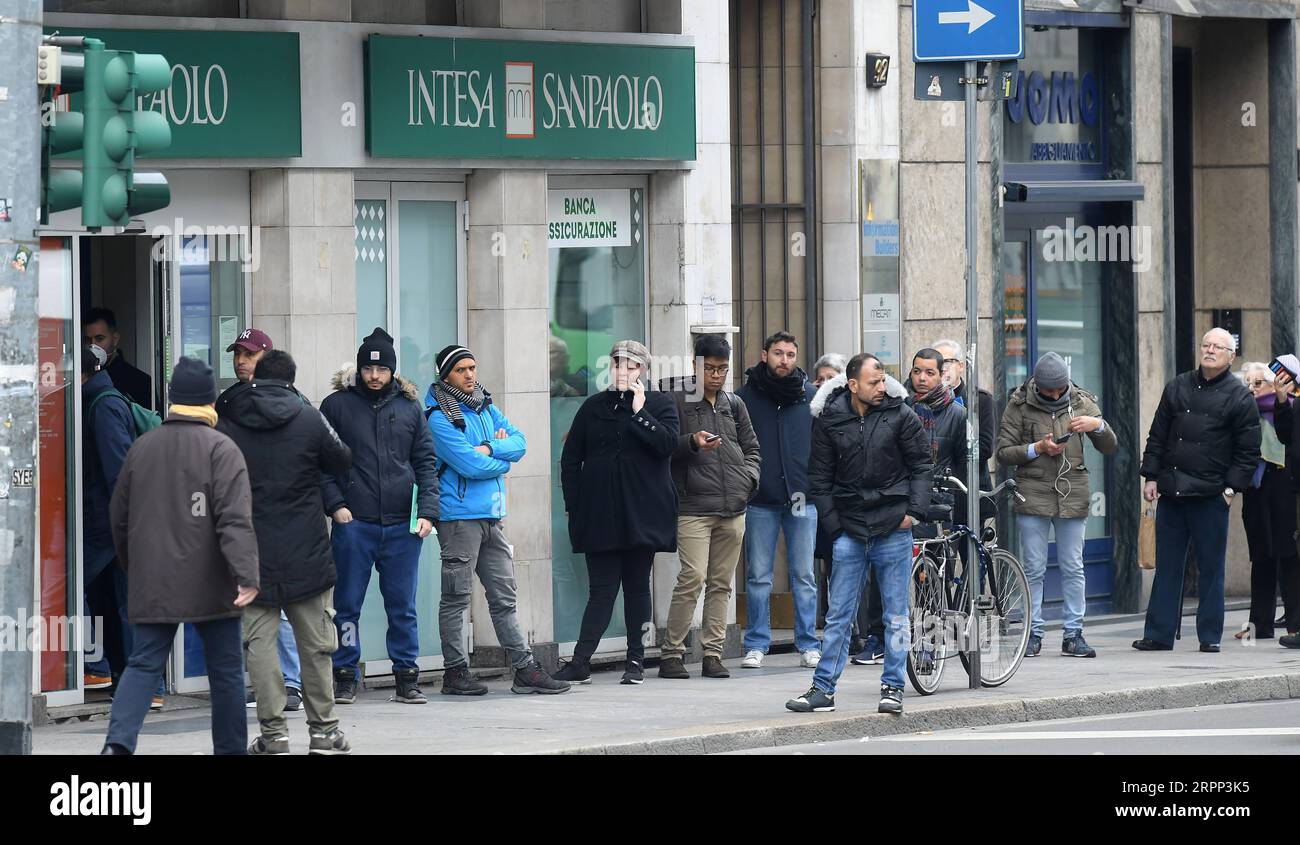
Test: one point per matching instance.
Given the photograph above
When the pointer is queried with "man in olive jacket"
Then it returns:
(716, 469)
(183, 528)
(1042, 436)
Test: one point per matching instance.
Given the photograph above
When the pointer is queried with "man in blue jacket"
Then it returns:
(475, 445)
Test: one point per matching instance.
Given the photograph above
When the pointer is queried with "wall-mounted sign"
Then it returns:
(1055, 114)
(877, 70)
(594, 217)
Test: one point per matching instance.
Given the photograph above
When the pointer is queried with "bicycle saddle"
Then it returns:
(938, 513)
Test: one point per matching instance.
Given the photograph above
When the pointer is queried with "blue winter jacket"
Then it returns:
(470, 484)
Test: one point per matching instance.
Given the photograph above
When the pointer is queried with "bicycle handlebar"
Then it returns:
(1009, 484)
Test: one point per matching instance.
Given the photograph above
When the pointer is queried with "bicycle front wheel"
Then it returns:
(1004, 614)
(925, 658)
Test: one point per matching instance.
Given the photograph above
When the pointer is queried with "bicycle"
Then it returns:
(938, 602)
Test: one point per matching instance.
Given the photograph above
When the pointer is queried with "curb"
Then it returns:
(778, 733)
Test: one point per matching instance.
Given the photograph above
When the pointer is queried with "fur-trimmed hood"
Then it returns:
(892, 388)
(346, 378)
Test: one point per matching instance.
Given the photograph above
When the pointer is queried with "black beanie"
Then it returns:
(377, 350)
(192, 383)
(449, 357)
(92, 359)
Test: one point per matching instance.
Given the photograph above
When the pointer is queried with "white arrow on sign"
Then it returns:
(975, 16)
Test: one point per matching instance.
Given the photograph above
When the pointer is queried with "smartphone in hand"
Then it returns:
(1059, 439)
(713, 438)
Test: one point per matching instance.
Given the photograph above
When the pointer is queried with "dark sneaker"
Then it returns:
(292, 699)
(813, 701)
(1035, 646)
(408, 687)
(713, 668)
(673, 668)
(1210, 648)
(1289, 641)
(1145, 644)
(872, 653)
(333, 742)
(891, 699)
(262, 747)
(633, 672)
(533, 678)
(345, 686)
(576, 671)
(1077, 646)
(458, 680)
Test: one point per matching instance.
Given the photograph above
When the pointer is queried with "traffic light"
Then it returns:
(61, 131)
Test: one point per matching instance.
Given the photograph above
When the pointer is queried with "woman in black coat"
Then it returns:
(621, 502)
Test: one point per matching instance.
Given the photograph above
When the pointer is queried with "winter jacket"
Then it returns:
(987, 410)
(133, 382)
(471, 484)
(1204, 437)
(392, 451)
(106, 437)
(183, 524)
(288, 447)
(867, 472)
(948, 445)
(785, 436)
(717, 482)
(1052, 486)
(616, 474)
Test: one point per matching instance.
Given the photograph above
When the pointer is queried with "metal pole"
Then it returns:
(972, 574)
(20, 180)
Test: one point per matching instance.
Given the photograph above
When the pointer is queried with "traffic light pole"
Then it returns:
(20, 184)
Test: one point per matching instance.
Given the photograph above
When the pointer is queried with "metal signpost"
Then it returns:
(966, 31)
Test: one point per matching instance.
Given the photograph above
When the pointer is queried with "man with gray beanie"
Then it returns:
(1042, 437)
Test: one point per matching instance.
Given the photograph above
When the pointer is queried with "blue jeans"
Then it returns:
(762, 524)
(1069, 557)
(288, 647)
(1202, 522)
(222, 649)
(889, 558)
(394, 551)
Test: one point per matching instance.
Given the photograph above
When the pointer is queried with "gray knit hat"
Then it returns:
(1051, 372)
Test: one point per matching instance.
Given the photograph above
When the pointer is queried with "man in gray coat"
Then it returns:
(182, 519)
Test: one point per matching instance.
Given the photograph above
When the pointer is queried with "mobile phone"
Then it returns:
(713, 438)
(1062, 438)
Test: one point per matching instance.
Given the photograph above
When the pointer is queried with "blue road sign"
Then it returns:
(966, 30)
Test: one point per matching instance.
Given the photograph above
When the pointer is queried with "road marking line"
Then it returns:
(1167, 734)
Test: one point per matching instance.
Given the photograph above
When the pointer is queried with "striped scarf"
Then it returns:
(450, 399)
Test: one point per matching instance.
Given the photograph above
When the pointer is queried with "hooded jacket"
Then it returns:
(472, 485)
(288, 447)
(391, 451)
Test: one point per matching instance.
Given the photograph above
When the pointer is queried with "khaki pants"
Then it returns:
(312, 620)
(709, 548)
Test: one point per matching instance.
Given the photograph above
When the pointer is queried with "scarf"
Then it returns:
(1053, 406)
(1271, 449)
(789, 390)
(936, 400)
(928, 408)
(197, 412)
(450, 398)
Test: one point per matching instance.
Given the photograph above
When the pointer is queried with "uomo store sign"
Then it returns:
(475, 98)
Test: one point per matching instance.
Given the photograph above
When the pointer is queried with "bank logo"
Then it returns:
(519, 100)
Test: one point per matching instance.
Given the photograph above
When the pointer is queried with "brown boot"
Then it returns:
(713, 668)
(673, 667)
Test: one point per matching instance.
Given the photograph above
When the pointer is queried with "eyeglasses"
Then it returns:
(1259, 382)
(710, 370)
(1215, 347)
(947, 361)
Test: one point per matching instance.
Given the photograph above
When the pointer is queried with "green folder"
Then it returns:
(415, 511)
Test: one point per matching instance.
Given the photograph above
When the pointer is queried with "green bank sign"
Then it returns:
(473, 98)
(232, 94)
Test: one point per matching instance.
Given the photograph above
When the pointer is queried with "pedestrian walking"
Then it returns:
(183, 530)
(1042, 437)
(621, 502)
(475, 446)
(288, 447)
(1203, 446)
(715, 468)
(383, 508)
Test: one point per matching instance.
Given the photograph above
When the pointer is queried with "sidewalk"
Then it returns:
(747, 711)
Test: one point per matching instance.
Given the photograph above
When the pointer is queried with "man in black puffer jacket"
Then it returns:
(1202, 448)
(287, 445)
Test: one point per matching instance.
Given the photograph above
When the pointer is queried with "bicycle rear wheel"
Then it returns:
(925, 658)
(1004, 614)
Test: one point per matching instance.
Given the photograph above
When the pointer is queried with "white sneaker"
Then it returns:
(810, 659)
(753, 660)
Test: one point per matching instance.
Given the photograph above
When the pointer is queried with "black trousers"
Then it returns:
(1266, 576)
(607, 571)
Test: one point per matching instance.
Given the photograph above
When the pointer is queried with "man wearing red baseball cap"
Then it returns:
(249, 348)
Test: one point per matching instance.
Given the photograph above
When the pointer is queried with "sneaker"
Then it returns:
(1077, 646)
(408, 688)
(345, 686)
(633, 672)
(891, 699)
(753, 659)
(292, 699)
(93, 681)
(261, 747)
(872, 653)
(673, 668)
(713, 668)
(533, 678)
(1035, 646)
(458, 680)
(1145, 644)
(576, 671)
(156, 702)
(250, 700)
(333, 742)
(1210, 648)
(810, 658)
(813, 701)
(1289, 641)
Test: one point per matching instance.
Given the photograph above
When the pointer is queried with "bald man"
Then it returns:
(1201, 451)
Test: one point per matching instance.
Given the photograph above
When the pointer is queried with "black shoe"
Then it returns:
(813, 701)
(673, 668)
(1077, 646)
(1035, 646)
(633, 672)
(533, 678)
(891, 699)
(345, 686)
(408, 687)
(112, 749)
(576, 671)
(1145, 644)
(713, 668)
(1289, 641)
(1210, 648)
(458, 680)
(292, 699)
